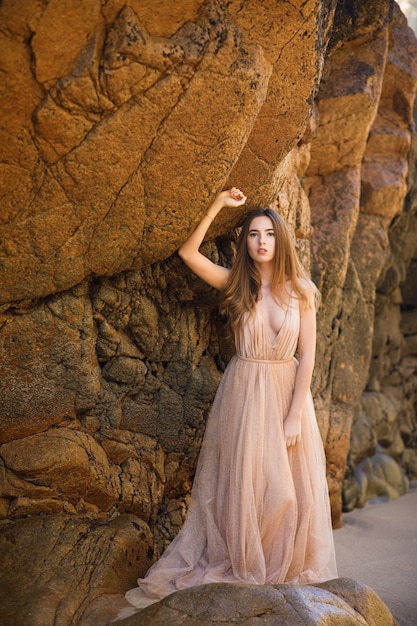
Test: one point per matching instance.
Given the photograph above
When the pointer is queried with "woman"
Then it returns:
(259, 509)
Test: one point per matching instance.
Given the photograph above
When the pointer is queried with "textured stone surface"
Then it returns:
(119, 123)
(356, 184)
(82, 559)
(49, 370)
(336, 602)
(102, 119)
(387, 408)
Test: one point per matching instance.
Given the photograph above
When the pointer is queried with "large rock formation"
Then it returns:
(357, 183)
(120, 122)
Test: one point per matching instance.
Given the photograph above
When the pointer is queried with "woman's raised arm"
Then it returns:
(213, 274)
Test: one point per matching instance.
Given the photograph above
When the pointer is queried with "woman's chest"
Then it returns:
(272, 314)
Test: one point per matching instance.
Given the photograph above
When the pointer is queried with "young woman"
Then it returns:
(259, 509)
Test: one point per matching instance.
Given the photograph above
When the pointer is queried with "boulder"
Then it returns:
(49, 370)
(340, 601)
(54, 566)
(380, 479)
(61, 464)
(100, 121)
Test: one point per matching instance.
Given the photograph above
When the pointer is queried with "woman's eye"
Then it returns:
(271, 234)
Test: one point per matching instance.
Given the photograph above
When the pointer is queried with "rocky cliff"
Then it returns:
(120, 122)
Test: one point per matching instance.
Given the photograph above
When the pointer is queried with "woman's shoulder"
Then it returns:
(306, 285)
(300, 286)
(309, 293)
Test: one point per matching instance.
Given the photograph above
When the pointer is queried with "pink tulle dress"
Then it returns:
(259, 512)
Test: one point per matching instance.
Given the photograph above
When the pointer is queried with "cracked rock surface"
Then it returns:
(120, 121)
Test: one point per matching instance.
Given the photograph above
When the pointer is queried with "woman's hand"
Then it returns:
(232, 198)
(292, 430)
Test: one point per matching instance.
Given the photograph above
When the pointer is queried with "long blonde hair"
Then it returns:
(242, 290)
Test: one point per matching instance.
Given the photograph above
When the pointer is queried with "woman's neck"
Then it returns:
(265, 272)
(266, 289)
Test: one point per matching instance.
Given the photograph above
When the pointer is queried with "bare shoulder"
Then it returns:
(307, 285)
(310, 293)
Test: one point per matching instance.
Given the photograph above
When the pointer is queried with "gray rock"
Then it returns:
(339, 602)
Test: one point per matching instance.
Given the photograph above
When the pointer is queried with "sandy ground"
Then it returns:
(378, 546)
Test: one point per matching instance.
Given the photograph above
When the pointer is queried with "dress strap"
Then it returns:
(250, 360)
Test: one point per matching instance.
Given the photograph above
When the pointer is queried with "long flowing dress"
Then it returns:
(259, 512)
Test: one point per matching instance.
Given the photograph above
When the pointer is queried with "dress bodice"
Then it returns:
(254, 340)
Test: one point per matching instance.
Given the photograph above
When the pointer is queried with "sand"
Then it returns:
(378, 546)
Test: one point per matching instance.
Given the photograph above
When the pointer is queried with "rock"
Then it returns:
(61, 464)
(408, 322)
(55, 566)
(409, 297)
(354, 20)
(339, 601)
(49, 370)
(113, 145)
(363, 439)
(410, 461)
(351, 490)
(380, 479)
(353, 79)
(108, 113)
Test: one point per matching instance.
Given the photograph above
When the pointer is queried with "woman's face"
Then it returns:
(261, 239)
